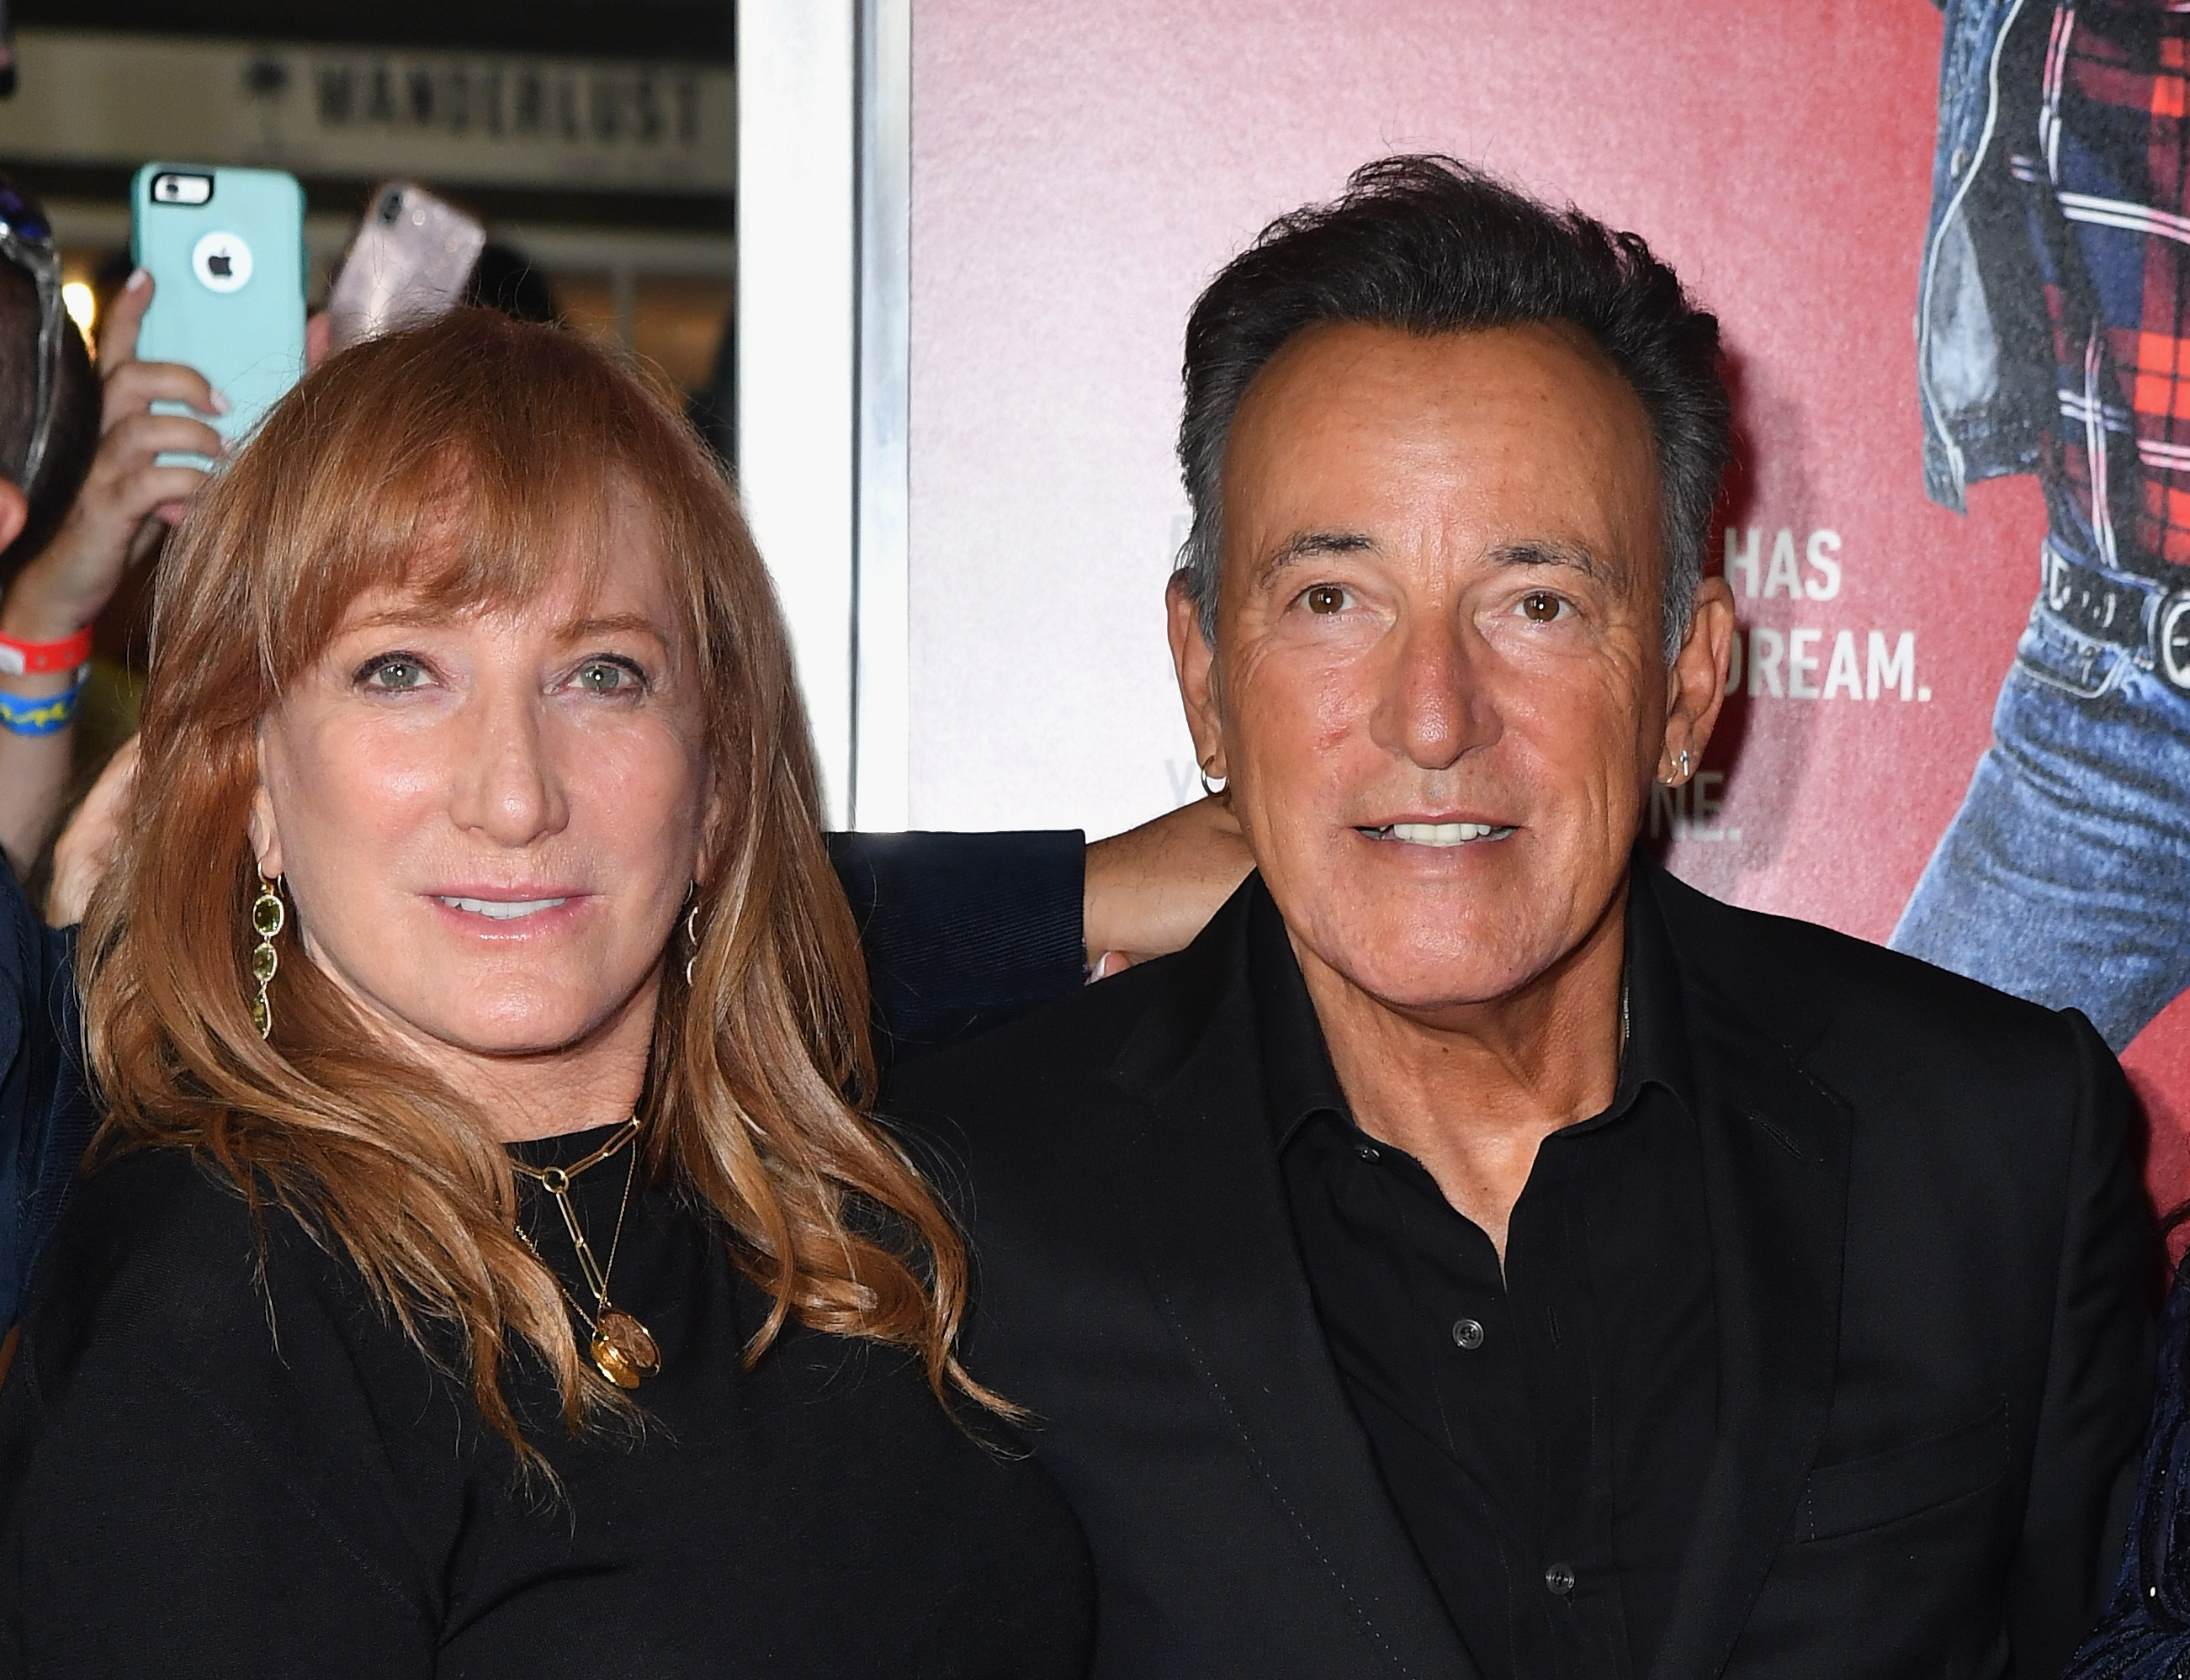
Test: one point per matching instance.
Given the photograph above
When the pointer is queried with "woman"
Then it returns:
(2145, 1634)
(485, 1267)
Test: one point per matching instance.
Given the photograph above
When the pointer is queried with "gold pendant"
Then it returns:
(624, 1349)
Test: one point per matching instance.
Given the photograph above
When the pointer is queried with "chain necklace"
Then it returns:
(623, 1349)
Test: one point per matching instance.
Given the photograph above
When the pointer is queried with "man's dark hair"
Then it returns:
(1428, 245)
(72, 434)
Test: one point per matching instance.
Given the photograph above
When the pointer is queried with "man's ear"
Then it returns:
(14, 513)
(1695, 686)
(1195, 661)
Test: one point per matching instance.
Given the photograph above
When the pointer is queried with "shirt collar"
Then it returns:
(1299, 1081)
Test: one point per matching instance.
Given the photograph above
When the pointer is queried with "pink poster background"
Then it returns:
(1079, 172)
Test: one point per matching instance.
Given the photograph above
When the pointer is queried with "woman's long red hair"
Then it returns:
(460, 460)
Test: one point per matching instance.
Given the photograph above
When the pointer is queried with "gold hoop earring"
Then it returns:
(268, 915)
(692, 934)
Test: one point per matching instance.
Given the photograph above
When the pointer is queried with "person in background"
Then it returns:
(50, 424)
(1477, 1253)
(487, 1265)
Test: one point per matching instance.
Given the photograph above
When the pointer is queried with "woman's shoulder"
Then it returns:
(160, 1257)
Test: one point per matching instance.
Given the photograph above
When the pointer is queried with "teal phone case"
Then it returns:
(227, 293)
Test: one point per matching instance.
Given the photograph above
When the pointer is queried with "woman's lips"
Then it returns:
(501, 909)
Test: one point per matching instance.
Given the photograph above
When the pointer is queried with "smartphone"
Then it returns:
(411, 261)
(225, 249)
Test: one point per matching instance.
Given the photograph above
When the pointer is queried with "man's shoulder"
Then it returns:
(1803, 983)
(1065, 1047)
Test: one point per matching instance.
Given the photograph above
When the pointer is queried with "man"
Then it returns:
(1479, 1254)
(2051, 341)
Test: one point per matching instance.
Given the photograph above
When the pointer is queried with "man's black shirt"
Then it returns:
(1544, 1435)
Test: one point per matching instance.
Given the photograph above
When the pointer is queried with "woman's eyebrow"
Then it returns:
(583, 629)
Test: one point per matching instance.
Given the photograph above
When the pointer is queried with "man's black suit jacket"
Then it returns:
(1932, 1267)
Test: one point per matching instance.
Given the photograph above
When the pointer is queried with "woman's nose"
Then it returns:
(507, 787)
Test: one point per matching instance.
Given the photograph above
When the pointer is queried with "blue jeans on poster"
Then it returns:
(2065, 877)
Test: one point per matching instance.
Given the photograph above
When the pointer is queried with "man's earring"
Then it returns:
(692, 934)
(1215, 787)
(267, 917)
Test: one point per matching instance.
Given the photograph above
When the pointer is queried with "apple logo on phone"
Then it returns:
(222, 263)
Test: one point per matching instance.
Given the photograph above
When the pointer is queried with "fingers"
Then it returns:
(85, 850)
(134, 441)
(117, 338)
(134, 386)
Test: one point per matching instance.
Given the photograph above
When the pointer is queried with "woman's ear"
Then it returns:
(265, 834)
(710, 831)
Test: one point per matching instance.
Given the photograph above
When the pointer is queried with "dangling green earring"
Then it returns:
(268, 916)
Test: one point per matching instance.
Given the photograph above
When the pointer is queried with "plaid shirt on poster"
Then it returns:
(2107, 202)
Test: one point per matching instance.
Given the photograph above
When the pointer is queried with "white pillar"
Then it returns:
(882, 741)
(824, 150)
(796, 325)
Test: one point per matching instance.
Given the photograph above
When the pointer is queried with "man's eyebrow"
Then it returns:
(1549, 551)
(1305, 545)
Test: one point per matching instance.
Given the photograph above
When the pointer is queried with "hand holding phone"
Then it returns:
(225, 249)
(411, 261)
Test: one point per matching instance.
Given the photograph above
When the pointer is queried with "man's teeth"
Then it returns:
(1444, 833)
(502, 909)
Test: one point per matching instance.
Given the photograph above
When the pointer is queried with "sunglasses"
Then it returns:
(26, 240)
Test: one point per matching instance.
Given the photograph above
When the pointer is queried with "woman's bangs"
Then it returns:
(471, 520)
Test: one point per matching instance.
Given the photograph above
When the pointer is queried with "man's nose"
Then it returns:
(508, 787)
(1432, 708)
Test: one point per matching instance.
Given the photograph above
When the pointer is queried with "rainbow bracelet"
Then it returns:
(48, 713)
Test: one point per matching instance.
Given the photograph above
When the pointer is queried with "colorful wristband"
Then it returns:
(48, 714)
(37, 659)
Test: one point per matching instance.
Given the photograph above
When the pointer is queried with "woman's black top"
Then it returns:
(218, 1458)
(2145, 1634)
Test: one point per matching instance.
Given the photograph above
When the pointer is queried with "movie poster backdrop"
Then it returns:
(1079, 172)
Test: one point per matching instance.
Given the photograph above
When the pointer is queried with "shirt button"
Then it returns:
(1368, 1152)
(1560, 1578)
(1468, 1333)
(1958, 161)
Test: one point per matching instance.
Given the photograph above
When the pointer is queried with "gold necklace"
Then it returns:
(623, 1349)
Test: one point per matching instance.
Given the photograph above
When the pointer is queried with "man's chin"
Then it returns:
(1418, 979)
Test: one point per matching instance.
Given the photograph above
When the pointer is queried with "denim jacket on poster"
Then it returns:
(1984, 351)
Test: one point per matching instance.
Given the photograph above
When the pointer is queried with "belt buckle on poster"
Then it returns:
(2060, 587)
(2087, 598)
(2170, 635)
